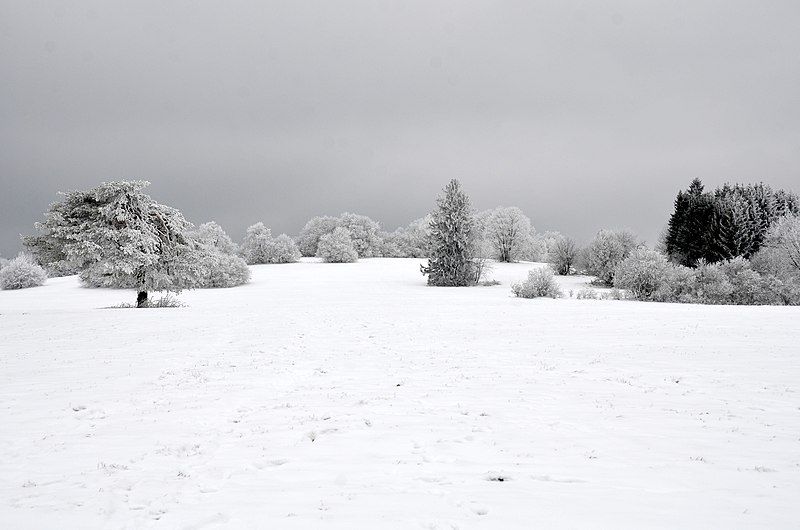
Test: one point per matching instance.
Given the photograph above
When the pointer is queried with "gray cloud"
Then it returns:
(584, 115)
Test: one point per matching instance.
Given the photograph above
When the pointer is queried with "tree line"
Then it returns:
(115, 235)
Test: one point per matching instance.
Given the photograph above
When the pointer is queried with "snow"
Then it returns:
(354, 396)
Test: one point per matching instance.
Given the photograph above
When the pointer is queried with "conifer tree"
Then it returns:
(687, 238)
(452, 240)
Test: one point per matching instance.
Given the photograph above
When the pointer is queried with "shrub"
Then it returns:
(747, 285)
(562, 254)
(587, 294)
(207, 268)
(713, 286)
(642, 273)
(21, 273)
(540, 283)
(606, 251)
(337, 247)
(282, 249)
(679, 285)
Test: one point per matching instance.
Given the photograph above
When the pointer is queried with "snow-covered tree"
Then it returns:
(408, 242)
(49, 253)
(256, 244)
(453, 240)
(117, 231)
(563, 254)
(282, 249)
(337, 247)
(211, 234)
(260, 247)
(506, 230)
(784, 237)
(314, 229)
(606, 251)
(20, 273)
(364, 232)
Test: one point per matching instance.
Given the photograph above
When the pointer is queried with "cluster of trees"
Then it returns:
(730, 222)
(363, 232)
(770, 276)
(260, 247)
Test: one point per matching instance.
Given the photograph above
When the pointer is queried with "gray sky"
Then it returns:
(584, 114)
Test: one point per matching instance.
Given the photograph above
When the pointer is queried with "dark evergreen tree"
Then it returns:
(453, 238)
(687, 238)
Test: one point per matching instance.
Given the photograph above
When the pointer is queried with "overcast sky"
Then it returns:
(584, 114)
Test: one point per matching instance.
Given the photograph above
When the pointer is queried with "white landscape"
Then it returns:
(354, 396)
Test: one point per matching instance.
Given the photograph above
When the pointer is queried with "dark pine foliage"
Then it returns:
(728, 223)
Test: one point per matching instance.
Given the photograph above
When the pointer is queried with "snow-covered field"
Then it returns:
(353, 396)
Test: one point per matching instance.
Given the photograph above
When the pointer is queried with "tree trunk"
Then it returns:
(141, 299)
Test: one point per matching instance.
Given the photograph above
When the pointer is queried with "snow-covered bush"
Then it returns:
(587, 294)
(540, 283)
(337, 247)
(282, 249)
(713, 286)
(206, 268)
(3, 262)
(20, 273)
(212, 235)
(747, 285)
(642, 273)
(256, 244)
(679, 285)
(606, 252)
(562, 254)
